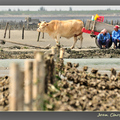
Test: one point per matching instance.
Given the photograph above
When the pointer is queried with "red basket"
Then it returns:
(100, 19)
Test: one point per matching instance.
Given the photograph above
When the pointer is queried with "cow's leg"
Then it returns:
(57, 39)
(75, 40)
(56, 42)
(81, 40)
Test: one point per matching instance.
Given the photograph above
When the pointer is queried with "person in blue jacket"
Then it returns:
(103, 39)
(116, 36)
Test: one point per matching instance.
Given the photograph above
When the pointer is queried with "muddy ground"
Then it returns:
(14, 51)
(80, 90)
(30, 38)
(75, 54)
(101, 90)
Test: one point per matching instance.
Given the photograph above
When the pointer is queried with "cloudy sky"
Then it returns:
(49, 8)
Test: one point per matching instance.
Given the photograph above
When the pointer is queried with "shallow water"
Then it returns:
(103, 64)
(5, 65)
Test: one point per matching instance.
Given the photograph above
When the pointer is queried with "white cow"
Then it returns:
(68, 28)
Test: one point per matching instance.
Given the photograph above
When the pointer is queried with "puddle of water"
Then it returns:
(5, 65)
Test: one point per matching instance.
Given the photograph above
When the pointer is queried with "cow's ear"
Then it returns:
(47, 24)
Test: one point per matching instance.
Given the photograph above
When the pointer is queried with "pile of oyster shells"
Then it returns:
(80, 90)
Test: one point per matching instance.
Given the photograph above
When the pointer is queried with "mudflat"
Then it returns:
(30, 37)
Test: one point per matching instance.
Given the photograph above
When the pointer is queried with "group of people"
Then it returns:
(104, 38)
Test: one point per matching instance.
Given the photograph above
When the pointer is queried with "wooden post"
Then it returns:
(36, 79)
(111, 22)
(16, 88)
(53, 51)
(52, 70)
(106, 21)
(117, 22)
(28, 84)
(6, 29)
(43, 35)
(61, 60)
(61, 52)
(57, 53)
(93, 26)
(9, 32)
(21, 96)
(16, 26)
(28, 20)
(47, 62)
(41, 84)
(38, 36)
(23, 32)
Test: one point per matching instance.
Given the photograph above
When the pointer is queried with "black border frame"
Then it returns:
(59, 2)
(58, 115)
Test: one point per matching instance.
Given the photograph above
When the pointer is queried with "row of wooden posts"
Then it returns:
(23, 30)
(27, 88)
(112, 23)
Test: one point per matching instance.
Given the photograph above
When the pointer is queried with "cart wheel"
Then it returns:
(110, 43)
(96, 42)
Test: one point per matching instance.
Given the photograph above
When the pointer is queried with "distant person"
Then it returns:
(116, 36)
(103, 39)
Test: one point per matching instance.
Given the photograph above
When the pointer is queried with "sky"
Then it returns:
(52, 8)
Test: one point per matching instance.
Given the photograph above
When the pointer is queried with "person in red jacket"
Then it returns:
(116, 36)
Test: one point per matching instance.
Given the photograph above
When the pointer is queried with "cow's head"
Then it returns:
(42, 26)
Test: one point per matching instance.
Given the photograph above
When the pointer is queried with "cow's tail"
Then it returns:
(78, 34)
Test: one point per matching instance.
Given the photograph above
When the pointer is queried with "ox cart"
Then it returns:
(94, 28)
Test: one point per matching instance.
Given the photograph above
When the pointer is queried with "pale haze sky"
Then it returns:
(55, 7)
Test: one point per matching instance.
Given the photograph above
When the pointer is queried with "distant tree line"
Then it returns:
(43, 9)
(40, 9)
